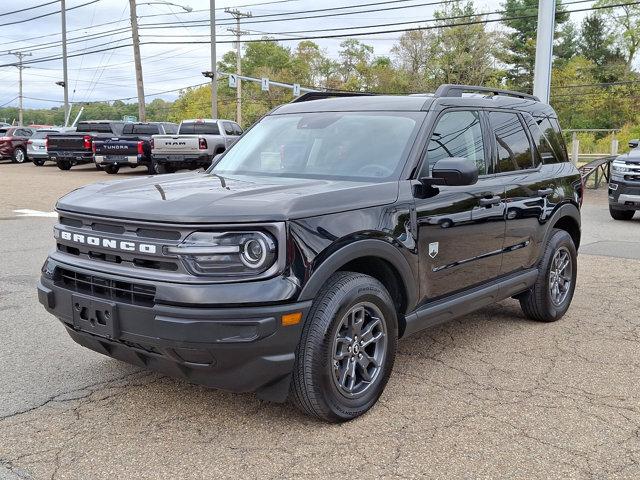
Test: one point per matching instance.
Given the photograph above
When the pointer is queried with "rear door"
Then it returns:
(461, 228)
(528, 189)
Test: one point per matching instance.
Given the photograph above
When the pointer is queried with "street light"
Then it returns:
(160, 2)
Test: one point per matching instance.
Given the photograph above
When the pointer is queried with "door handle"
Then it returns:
(486, 202)
(545, 192)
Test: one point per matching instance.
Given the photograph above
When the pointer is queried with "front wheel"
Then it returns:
(19, 155)
(621, 214)
(347, 349)
(550, 297)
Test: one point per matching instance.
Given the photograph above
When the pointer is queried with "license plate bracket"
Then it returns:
(175, 158)
(116, 158)
(97, 317)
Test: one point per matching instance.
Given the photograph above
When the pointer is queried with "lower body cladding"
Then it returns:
(624, 195)
(240, 349)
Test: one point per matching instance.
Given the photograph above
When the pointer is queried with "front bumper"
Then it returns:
(624, 195)
(241, 349)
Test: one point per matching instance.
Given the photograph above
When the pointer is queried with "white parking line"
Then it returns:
(25, 212)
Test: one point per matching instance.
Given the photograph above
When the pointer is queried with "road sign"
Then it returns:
(296, 89)
(265, 84)
(233, 80)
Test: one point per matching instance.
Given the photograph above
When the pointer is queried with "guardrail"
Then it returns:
(599, 168)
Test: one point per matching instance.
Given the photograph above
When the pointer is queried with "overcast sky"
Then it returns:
(110, 74)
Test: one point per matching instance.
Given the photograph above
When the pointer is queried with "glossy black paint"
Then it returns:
(431, 245)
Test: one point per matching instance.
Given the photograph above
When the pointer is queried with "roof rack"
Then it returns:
(321, 95)
(451, 90)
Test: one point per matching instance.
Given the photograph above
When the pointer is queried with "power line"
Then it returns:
(4, 14)
(48, 14)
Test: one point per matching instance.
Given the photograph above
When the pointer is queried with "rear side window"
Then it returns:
(551, 129)
(546, 153)
(228, 128)
(193, 128)
(457, 134)
(514, 148)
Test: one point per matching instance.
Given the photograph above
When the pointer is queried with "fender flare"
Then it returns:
(362, 248)
(566, 210)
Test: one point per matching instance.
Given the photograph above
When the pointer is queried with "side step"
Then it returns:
(442, 311)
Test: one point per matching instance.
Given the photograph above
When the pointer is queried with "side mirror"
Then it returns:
(634, 143)
(455, 171)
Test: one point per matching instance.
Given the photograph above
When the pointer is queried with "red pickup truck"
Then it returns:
(13, 143)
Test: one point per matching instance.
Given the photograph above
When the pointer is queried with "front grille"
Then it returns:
(115, 290)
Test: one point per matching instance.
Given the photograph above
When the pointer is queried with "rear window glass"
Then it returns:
(193, 128)
(170, 128)
(141, 129)
(99, 127)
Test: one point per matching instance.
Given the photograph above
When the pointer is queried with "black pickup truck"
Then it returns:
(68, 149)
(132, 148)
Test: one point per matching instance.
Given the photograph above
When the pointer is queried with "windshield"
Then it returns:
(343, 145)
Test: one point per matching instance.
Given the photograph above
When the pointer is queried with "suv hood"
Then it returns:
(632, 156)
(197, 197)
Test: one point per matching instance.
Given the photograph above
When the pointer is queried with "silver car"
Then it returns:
(37, 145)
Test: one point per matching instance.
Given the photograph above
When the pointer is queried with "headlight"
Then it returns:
(619, 168)
(233, 254)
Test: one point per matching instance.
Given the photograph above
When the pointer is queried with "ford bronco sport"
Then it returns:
(332, 228)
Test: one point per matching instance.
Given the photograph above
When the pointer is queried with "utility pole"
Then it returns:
(238, 15)
(544, 49)
(138, 62)
(20, 67)
(65, 78)
(214, 66)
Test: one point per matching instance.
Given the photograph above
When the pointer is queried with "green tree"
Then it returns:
(626, 21)
(521, 17)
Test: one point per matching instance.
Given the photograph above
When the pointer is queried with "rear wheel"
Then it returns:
(111, 169)
(551, 295)
(621, 214)
(64, 164)
(347, 348)
(161, 168)
(39, 162)
(19, 155)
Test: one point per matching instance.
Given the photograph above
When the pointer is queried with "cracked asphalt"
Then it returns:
(489, 396)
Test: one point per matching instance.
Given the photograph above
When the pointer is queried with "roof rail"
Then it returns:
(451, 90)
(321, 95)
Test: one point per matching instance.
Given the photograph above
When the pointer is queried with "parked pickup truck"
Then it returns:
(195, 145)
(132, 148)
(68, 149)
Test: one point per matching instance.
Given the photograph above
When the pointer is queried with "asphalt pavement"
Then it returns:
(491, 395)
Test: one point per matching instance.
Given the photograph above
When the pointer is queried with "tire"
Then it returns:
(64, 164)
(111, 169)
(99, 167)
(621, 214)
(38, 162)
(334, 389)
(162, 168)
(19, 155)
(543, 303)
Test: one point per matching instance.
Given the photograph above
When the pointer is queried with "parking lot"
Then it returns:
(491, 395)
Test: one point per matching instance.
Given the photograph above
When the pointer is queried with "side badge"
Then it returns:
(433, 249)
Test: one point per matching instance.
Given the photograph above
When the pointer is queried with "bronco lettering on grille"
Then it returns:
(108, 243)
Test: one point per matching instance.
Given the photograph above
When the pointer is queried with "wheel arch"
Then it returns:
(566, 218)
(378, 259)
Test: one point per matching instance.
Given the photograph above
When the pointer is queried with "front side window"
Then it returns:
(457, 134)
(341, 145)
(514, 148)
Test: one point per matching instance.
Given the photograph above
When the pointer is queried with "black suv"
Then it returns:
(332, 228)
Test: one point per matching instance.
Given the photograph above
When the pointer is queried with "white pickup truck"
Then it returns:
(194, 146)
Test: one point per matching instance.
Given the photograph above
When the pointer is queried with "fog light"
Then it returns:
(291, 319)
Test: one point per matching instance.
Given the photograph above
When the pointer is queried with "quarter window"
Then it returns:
(457, 134)
(514, 148)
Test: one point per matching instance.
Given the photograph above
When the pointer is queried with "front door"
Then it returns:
(460, 229)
